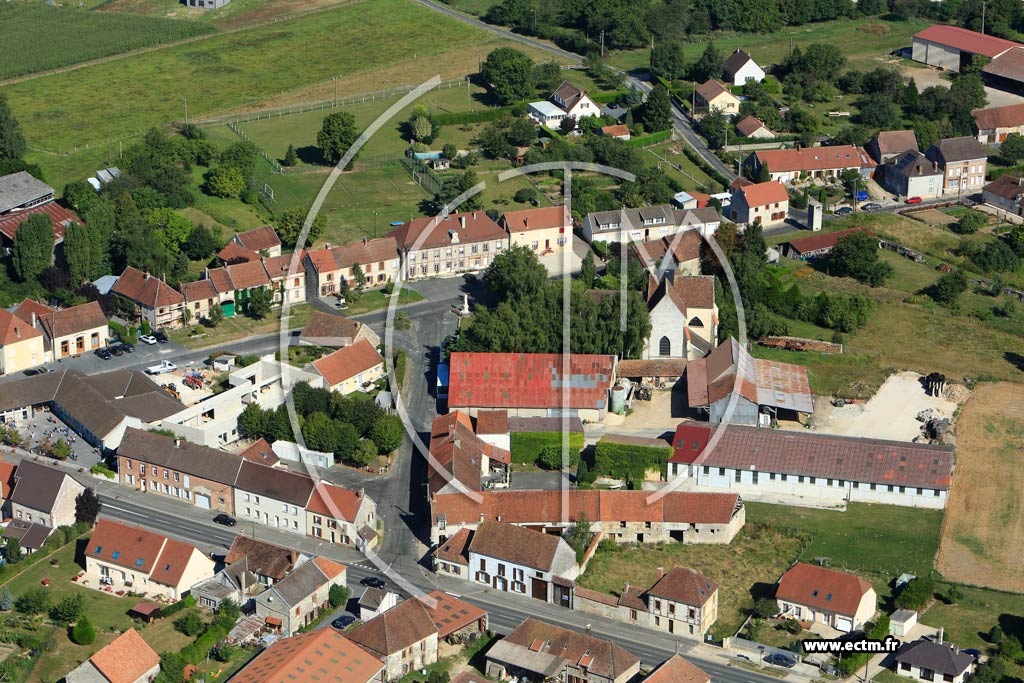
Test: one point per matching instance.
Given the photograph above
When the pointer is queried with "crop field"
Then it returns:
(984, 518)
(234, 71)
(37, 37)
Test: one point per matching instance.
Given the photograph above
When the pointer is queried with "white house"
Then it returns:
(807, 592)
(566, 101)
(545, 113)
(648, 223)
(272, 496)
(741, 68)
(926, 660)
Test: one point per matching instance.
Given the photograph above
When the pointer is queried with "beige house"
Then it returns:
(684, 316)
(449, 245)
(287, 284)
(127, 557)
(404, 638)
(21, 345)
(43, 495)
(963, 162)
(350, 368)
(322, 650)
(128, 659)
(155, 300)
(995, 123)
(299, 599)
(807, 592)
(262, 241)
(765, 203)
(335, 331)
(714, 95)
(330, 268)
(67, 331)
(341, 516)
(546, 230)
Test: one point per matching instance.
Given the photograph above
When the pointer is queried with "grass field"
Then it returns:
(687, 173)
(232, 71)
(235, 14)
(752, 563)
(977, 612)
(984, 519)
(37, 37)
(240, 327)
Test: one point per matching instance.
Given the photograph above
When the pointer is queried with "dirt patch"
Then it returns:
(984, 524)
(933, 217)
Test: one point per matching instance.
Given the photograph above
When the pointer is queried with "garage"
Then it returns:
(844, 624)
(203, 501)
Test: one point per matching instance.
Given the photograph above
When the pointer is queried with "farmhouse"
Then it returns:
(67, 331)
(312, 653)
(926, 660)
(128, 659)
(995, 123)
(807, 592)
(537, 650)
(1005, 192)
(684, 316)
(155, 300)
(952, 48)
(531, 384)
(449, 245)
(886, 145)
(648, 223)
(43, 495)
(790, 165)
(740, 68)
(128, 557)
(351, 368)
(680, 252)
(404, 638)
(761, 387)
(814, 246)
(812, 468)
(546, 230)
(299, 598)
(766, 203)
(912, 174)
(963, 162)
(751, 127)
(713, 95)
(625, 516)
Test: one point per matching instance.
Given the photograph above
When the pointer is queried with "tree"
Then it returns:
(33, 247)
(917, 593)
(449, 151)
(421, 128)
(526, 195)
(765, 608)
(516, 273)
(6, 601)
(336, 136)
(174, 228)
(189, 623)
(856, 256)
(1012, 149)
(567, 125)
(578, 536)
(509, 73)
(200, 243)
(290, 157)
(82, 253)
(387, 433)
(87, 506)
(348, 437)
(225, 181)
(228, 610)
(214, 316)
(70, 608)
(588, 270)
(320, 432)
(83, 633)
(78, 194)
(955, 594)
(948, 288)
(359, 277)
(365, 452)
(970, 222)
(710, 65)
(12, 551)
(668, 60)
(243, 155)
(61, 450)
(656, 112)
(253, 421)
(337, 596)
(33, 601)
(12, 141)
(289, 227)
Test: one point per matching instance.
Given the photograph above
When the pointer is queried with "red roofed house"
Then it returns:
(675, 669)
(684, 317)
(546, 230)
(682, 251)
(812, 468)
(531, 384)
(263, 241)
(155, 300)
(350, 368)
(21, 345)
(341, 516)
(323, 654)
(789, 165)
(330, 269)
(459, 459)
(811, 593)
(765, 203)
(126, 557)
(448, 246)
(128, 659)
(952, 47)
(61, 217)
(404, 638)
(1005, 192)
(813, 246)
(455, 619)
(713, 95)
(619, 131)
(67, 331)
(751, 127)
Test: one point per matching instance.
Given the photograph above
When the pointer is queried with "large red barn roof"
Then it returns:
(965, 40)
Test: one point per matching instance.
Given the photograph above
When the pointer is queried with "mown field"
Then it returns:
(37, 37)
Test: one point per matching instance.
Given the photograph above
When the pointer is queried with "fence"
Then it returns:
(750, 646)
(423, 175)
(273, 162)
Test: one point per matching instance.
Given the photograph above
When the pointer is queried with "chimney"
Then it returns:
(177, 443)
(145, 275)
(359, 493)
(462, 221)
(364, 241)
(526, 222)
(941, 633)
(658, 573)
(33, 319)
(17, 331)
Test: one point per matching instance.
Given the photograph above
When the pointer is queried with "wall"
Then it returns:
(21, 355)
(221, 495)
(548, 236)
(270, 512)
(444, 261)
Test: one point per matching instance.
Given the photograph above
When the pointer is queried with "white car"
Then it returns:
(147, 339)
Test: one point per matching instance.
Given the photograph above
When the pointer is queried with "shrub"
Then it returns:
(527, 446)
(33, 601)
(792, 626)
(765, 608)
(69, 609)
(189, 623)
(525, 195)
(626, 461)
(916, 593)
(550, 457)
(83, 633)
(337, 596)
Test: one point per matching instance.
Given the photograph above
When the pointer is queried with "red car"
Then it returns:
(913, 200)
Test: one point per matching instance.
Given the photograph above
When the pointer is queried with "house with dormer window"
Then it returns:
(811, 593)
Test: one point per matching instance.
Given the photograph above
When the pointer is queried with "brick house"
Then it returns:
(299, 598)
(448, 246)
(155, 300)
(807, 592)
(404, 638)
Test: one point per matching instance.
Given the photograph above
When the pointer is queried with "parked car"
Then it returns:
(115, 349)
(872, 206)
(844, 211)
(779, 659)
(148, 339)
(972, 652)
(127, 348)
(343, 622)
(160, 337)
(373, 582)
(913, 200)
(104, 354)
(226, 520)
(862, 195)
(41, 370)
(161, 367)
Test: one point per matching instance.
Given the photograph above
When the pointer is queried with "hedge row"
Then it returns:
(650, 139)
(624, 461)
(184, 603)
(608, 97)
(526, 446)
(703, 165)
(126, 334)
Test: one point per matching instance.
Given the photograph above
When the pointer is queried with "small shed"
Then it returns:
(901, 622)
(146, 611)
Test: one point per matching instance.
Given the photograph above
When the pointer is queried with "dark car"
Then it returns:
(844, 211)
(160, 337)
(115, 350)
(343, 622)
(779, 659)
(972, 652)
(104, 354)
(373, 582)
(127, 348)
(872, 206)
(226, 520)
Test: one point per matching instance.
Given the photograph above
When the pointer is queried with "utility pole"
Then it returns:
(602, 43)
(335, 91)
(186, 111)
(983, 6)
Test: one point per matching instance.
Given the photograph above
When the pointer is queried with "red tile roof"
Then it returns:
(6, 479)
(248, 275)
(538, 219)
(280, 266)
(424, 233)
(685, 291)
(233, 252)
(163, 559)
(126, 659)
(456, 548)
(64, 321)
(823, 589)
(347, 362)
(814, 158)
(221, 279)
(366, 251)
(678, 670)
(451, 614)
(525, 507)
(260, 238)
(261, 452)
(528, 380)
(603, 657)
(399, 628)
(822, 240)
(330, 568)
(145, 289)
(711, 89)
(60, 216)
(682, 584)
(324, 655)
(459, 453)
(616, 131)
(198, 290)
(656, 367)
(492, 422)
(1009, 116)
(871, 461)
(749, 126)
(336, 502)
(13, 329)
(763, 194)
(714, 377)
(684, 246)
(896, 141)
(965, 40)
(518, 545)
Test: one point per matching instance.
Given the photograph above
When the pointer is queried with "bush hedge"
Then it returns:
(649, 139)
(526, 446)
(456, 118)
(625, 461)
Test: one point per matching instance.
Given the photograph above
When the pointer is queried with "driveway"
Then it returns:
(929, 77)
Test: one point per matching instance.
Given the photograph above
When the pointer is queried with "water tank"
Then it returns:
(618, 402)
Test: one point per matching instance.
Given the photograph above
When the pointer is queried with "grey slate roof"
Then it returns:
(30, 535)
(289, 487)
(956, 149)
(199, 461)
(21, 188)
(300, 583)
(913, 164)
(372, 598)
(633, 219)
(939, 658)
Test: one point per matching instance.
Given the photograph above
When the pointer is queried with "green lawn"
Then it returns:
(239, 327)
(977, 612)
(850, 375)
(688, 174)
(375, 299)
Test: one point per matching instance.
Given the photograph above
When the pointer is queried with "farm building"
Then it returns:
(995, 123)
(951, 47)
(812, 247)
(1006, 71)
(804, 468)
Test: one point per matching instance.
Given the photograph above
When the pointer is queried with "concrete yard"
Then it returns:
(889, 414)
